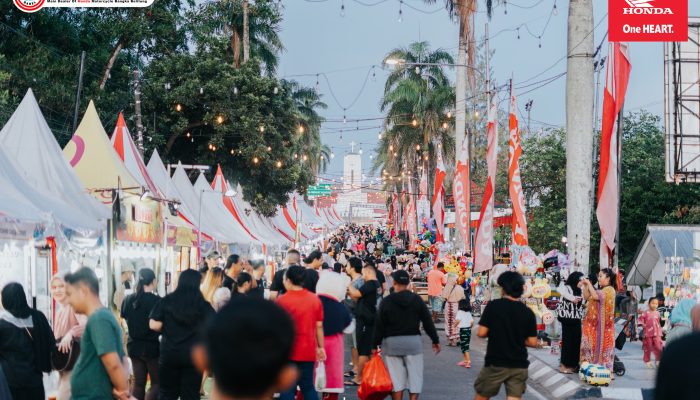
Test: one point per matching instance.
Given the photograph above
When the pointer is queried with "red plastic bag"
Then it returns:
(376, 381)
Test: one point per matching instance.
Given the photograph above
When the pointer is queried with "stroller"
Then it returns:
(621, 332)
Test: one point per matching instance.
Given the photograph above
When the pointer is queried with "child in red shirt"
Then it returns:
(651, 322)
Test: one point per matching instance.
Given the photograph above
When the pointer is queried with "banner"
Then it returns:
(617, 77)
(461, 195)
(483, 243)
(140, 220)
(423, 205)
(515, 188)
(438, 201)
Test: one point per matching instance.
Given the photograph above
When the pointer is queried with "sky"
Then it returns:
(342, 50)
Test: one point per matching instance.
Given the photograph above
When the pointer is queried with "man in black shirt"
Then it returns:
(365, 313)
(258, 267)
(313, 263)
(509, 326)
(232, 268)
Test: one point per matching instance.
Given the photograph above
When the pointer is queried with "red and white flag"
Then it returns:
(438, 202)
(519, 224)
(411, 218)
(617, 78)
(483, 243)
(460, 192)
(126, 149)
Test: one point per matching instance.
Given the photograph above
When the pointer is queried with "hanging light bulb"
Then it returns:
(269, 148)
(220, 119)
(317, 83)
(342, 9)
(400, 10)
(426, 157)
(304, 157)
(279, 164)
(555, 11)
(417, 147)
(178, 107)
(449, 114)
(332, 155)
(188, 134)
(275, 90)
(213, 148)
(210, 146)
(262, 129)
(391, 147)
(414, 122)
(201, 90)
(444, 125)
(345, 120)
(301, 128)
(540, 41)
(296, 156)
(233, 151)
(476, 113)
(518, 32)
(235, 90)
(255, 160)
(379, 136)
(396, 154)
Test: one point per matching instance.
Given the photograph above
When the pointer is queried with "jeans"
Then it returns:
(178, 377)
(143, 367)
(305, 383)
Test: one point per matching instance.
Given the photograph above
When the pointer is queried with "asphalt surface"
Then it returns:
(443, 379)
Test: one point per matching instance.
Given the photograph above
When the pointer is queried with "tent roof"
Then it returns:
(15, 202)
(659, 242)
(93, 158)
(31, 148)
(124, 145)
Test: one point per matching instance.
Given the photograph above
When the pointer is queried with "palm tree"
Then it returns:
(307, 103)
(225, 20)
(416, 103)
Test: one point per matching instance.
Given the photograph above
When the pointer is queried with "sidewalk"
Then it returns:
(636, 384)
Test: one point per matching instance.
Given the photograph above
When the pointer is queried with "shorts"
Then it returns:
(465, 336)
(436, 303)
(490, 379)
(365, 336)
(406, 372)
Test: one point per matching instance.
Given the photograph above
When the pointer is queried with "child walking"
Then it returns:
(651, 322)
(464, 322)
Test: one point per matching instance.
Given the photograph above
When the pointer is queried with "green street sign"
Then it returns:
(320, 190)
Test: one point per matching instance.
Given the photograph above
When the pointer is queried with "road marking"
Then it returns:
(565, 389)
(554, 379)
(542, 372)
(534, 392)
(622, 393)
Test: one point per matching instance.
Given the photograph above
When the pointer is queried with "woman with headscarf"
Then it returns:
(598, 330)
(26, 343)
(67, 329)
(569, 312)
(331, 289)
(681, 322)
(452, 293)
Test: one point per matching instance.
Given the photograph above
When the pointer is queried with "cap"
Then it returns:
(214, 254)
(128, 266)
(401, 277)
(315, 255)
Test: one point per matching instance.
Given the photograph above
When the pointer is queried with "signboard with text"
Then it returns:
(141, 221)
(320, 190)
(648, 20)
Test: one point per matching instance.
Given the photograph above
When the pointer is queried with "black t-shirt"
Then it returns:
(310, 280)
(258, 292)
(510, 323)
(366, 308)
(228, 283)
(143, 342)
(679, 369)
(277, 284)
(381, 279)
(178, 337)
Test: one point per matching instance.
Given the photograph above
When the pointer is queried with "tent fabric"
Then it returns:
(126, 150)
(214, 209)
(220, 185)
(15, 202)
(93, 158)
(659, 242)
(31, 149)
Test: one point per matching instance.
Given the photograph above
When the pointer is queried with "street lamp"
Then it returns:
(229, 193)
(395, 62)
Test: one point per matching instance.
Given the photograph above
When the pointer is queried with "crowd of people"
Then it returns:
(352, 295)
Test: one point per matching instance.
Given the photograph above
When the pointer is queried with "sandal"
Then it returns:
(351, 383)
(468, 365)
(349, 374)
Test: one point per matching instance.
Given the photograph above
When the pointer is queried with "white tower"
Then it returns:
(352, 169)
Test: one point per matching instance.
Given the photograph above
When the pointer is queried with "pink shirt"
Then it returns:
(651, 321)
(436, 280)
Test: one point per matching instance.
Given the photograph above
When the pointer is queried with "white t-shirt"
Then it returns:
(465, 319)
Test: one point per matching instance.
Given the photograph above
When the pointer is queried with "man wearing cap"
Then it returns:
(313, 263)
(397, 331)
(124, 287)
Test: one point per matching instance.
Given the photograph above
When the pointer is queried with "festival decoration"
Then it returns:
(483, 247)
(519, 224)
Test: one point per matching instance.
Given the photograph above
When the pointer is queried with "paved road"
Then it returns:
(443, 379)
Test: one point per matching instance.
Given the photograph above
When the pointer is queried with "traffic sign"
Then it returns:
(320, 190)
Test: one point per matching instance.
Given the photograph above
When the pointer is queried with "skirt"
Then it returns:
(335, 360)
(450, 314)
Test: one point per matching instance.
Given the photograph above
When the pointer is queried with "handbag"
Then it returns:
(63, 362)
(320, 377)
(376, 381)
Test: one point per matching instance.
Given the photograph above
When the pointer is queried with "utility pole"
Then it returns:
(246, 33)
(80, 89)
(137, 112)
(528, 108)
(579, 131)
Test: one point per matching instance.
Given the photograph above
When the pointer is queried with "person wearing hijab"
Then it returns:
(452, 294)
(68, 327)
(681, 322)
(26, 343)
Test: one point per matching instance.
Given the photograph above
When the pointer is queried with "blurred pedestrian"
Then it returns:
(26, 343)
(598, 328)
(436, 282)
(652, 342)
(452, 294)
(100, 372)
(143, 345)
(465, 323)
(680, 319)
(569, 312)
(365, 314)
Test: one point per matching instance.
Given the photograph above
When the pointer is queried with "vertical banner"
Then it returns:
(460, 192)
(423, 206)
(483, 246)
(515, 188)
(411, 218)
(617, 77)
(438, 202)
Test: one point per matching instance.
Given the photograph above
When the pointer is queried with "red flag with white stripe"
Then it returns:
(617, 78)
(460, 192)
(483, 243)
(438, 202)
(519, 224)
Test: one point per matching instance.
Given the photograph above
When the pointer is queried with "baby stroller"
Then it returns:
(621, 332)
